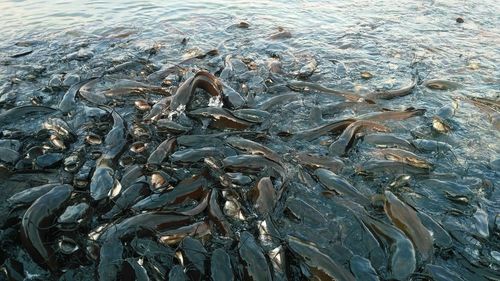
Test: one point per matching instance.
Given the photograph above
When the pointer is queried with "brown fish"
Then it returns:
(341, 146)
(406, 219)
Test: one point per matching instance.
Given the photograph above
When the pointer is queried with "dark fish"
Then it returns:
(254, 261)
(161, 152)
(386, 140)
(165, 125)
(189, 188)
(192, 155)
(68, 102)
(103, 184)
(335, 183)
(130, 175)
(132, 270)
(395, 154)
(362, 269)
(351, 96)
(264, 196)
(341, 146)
(391, 94)
(8, 155)
(331, 127)
(307, 70)
(110, 260)
(174, 236)
(194, 257)
(232, 98)
(199, 140)
(443, 85)
(279, 99)
(177, 274)
(89, 93)
(115, 140)
(386, 166)
(220, 265)
(337, 108)
(402, 253)
(252, 115)
(128, 198)
(321, 266)
(29, 195)
(441, 237)
(61, 128)
(160, 108)
(23, 111)
(317, 161)
(300, 210)
(431, 145)
(406, 219)
(149, 222)
(216, 215)
(253, 148)
(439, 273)
(35, 234)
(392, 115)
(203, 80)
(221, 118)
(22, 54)
(252, 164)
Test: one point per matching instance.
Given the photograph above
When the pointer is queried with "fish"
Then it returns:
(192, 155)
(314, 161)
(387, 166)
(406, 219)
(220, 266)
(264, 196)
(391, 94)
(321, 266)
(276, 100)
(188, 188)
(392, 115)
(89, 93)
(254, 261)
(400, 155)
(36, 222)
(221, 118)
(203, 80)
(115, 139)
(194, 258)
(402, 253)
(68, 102)
(28, 196)
(110, 260)
(161, 152)
(23, 111)
(442, 85)
(152, 222)
(386, 140)
(215, 214)
(128, 198)
(316, 132)
(341, 146)
(336, 183)
(254, 148)
(351, 96)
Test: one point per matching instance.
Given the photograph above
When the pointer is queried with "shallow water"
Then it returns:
(392, 41)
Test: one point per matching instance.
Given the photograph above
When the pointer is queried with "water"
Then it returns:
(390, 40)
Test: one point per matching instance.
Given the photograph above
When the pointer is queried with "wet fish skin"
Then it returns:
(341, 146)
(36, 221)
(392, 94)
(24, 110)
(110, 260)
(128, 198)
(216, 215)
(388, 141)
(221, 269)
(161, 152)
(254, 148)
(256, 267)
(102, 182)
(402, 252)
(406, 219)
(263, 196)
(221, 118)
(334, 182)
(201, 79)
(322, 267)
(331, 127)
(195, 256)
(68, 102)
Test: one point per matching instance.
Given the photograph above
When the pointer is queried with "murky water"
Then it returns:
(430, 211)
